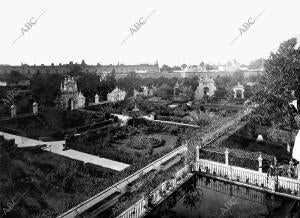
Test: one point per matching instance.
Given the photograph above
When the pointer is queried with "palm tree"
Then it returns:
(200, 118)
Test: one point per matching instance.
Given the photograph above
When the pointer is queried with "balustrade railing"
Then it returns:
(135, 210)
(156, 195)
(279, 184)
(220, 186)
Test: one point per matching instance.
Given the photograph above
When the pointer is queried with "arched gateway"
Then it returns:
(70, 97)
(206, 87)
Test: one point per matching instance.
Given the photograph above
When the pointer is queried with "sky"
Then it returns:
(176, 32)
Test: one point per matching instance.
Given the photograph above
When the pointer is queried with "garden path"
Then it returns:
(57, 147)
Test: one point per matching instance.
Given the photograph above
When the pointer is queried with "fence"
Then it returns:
(255, 178)
(136, 210)
(157, 195)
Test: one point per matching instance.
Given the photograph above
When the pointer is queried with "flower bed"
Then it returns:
(145, 142)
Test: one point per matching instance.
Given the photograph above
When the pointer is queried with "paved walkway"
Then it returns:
(57, 148)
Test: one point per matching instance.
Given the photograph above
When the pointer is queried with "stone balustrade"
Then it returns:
(157, 195)
(278, 184)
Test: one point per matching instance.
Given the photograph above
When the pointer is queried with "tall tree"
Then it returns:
(45, 92)
(257, 64)
(274, 91)
(129, 83)
(88, 84)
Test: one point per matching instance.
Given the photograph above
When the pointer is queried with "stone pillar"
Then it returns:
(291, 163)
(242, 93)
(72, 104)
(260, 159)
(197, 152)
(163, 188)
(35, 109)
(96, 99)
(288, 148)
(272, 183)
(226, 157)
(174, 182)
(197, 158)
(13, 110)
(234, 93)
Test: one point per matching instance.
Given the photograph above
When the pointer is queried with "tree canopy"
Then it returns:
(274, 90)
(256, 64)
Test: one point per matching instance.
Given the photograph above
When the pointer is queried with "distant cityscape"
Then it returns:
(144, 70)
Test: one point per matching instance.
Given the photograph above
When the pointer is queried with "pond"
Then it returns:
(206, 197)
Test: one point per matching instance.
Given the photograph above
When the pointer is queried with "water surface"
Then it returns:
(206, 197)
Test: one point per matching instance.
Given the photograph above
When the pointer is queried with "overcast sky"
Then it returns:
(177, 32)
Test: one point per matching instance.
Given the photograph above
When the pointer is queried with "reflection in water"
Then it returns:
(205, 197)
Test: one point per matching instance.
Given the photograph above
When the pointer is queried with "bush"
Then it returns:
(144, 142)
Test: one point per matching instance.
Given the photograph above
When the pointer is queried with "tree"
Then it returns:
(274, 91)
(176, 68)
(210, 67)
(257, 64)
(83, 63)
(200, 118)
(224, 82)
(238, 76)
(107, 85)
(165, 91)
(88, 84)
(183, 66)
(76, 70)
(129, 83)
(254, 78)
(165, 68)
(44, 91)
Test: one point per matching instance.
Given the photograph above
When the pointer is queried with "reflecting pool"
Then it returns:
(207, 197)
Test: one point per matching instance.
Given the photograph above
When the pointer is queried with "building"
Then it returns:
(64, 69)
(206, 87)
(3, 83)
(70, 97)
(238, 91)
(14, 79)
(125, 69)
(116, 95)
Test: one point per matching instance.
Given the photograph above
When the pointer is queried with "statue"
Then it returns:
(272, 176)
